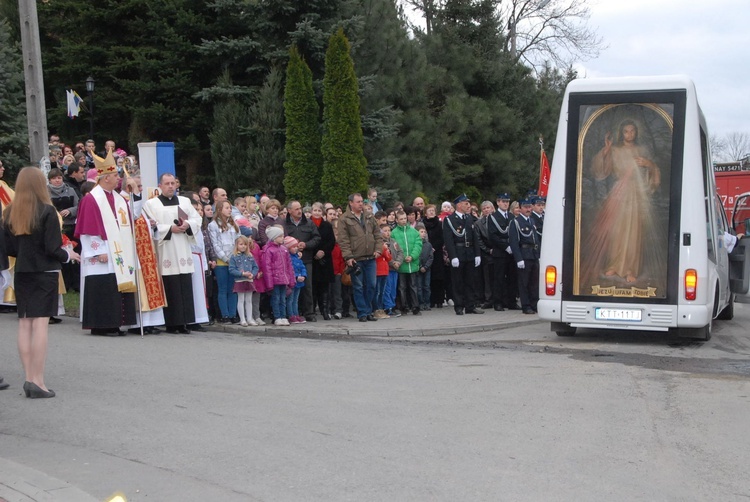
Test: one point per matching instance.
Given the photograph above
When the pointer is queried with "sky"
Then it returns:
(708, 41)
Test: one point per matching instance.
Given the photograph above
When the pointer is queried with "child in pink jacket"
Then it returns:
(278, 273)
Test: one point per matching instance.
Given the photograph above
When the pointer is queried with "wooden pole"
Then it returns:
(36, 112)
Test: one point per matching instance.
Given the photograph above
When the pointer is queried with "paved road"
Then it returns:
(512, 414)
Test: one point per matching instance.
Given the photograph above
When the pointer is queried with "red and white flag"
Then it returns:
(543, 175)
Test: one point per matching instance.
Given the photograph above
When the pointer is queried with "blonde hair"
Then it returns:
(223, 223)
(273, 202)
(21, 216)
(241, 239)
(252, 198)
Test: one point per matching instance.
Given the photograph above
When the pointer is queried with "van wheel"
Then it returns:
(728, 313)
(562, 329)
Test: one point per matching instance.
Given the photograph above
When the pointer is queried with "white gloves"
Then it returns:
(454, 263)
(4, 279)
(521, 264)
(508, 250)
(477, 261)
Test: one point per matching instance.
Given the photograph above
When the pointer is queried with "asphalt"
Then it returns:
(19, 483)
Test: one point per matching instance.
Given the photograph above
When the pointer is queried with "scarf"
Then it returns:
(317, 221)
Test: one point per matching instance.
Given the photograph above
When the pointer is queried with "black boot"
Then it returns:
(324, 307)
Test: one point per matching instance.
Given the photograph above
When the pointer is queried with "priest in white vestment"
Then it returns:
(177, 224)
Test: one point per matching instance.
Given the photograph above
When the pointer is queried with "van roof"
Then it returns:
(619, 84)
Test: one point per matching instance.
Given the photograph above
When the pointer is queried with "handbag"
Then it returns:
(346, 279)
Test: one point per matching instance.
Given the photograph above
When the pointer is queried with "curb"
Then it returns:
(19, 483)
(352, 334)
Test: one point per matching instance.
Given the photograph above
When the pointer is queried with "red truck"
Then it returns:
(732, 180)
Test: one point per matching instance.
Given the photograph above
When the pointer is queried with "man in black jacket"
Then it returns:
(462, 245)
(525, 246)
(485, 272)
(305, 231)
(505, 281)
(75, 174)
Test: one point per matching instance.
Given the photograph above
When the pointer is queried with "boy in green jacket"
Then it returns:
(410, 243)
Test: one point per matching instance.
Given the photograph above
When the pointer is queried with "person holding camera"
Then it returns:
(360, 240)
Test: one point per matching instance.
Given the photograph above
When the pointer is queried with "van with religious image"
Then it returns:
(635, 236)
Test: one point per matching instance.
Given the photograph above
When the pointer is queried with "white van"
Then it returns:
(635, 236)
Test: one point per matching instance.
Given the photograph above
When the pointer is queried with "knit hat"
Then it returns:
(91, 175)
(290, 242)
(273, 232)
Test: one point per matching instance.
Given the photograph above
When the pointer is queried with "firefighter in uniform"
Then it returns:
(462, 246)
(537, 216)
(505, 279)
(524, 243)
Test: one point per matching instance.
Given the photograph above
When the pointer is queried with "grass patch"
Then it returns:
(72, 301)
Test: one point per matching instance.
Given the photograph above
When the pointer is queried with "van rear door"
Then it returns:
(739, 272)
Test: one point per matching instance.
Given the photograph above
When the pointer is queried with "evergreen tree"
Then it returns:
(228, 146)
(304, 162)
(344, 163)
(14, 144)
(386, 60)
(144, 58)
(251, 39)
(265, 135)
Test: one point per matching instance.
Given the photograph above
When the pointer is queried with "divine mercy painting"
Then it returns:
(622, 200)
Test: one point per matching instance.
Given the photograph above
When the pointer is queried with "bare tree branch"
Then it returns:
(549, 30)
(428, 9)
(718, 148)
(737, 146)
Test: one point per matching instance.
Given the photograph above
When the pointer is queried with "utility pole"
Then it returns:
(36, 112)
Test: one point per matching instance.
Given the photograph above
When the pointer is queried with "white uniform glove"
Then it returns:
(508, 250)
(477, 261)
(4, 280)
(454, 263)
(521, 264)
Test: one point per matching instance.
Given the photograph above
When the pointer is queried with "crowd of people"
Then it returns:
(364, 261)
(184, 259)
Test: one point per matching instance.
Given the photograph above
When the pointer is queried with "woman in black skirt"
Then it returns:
(32, 234)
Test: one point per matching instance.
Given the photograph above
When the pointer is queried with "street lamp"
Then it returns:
(90, 90)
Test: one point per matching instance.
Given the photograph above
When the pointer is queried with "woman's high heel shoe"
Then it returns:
(26, 388)
(35, 392)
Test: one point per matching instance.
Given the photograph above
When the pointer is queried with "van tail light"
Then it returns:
(691, 284)
(550, 280)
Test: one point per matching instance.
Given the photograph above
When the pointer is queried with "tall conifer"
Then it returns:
(344, 163)
(14, 144)
(304, 162)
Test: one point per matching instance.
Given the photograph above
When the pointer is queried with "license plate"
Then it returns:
(618, 314)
